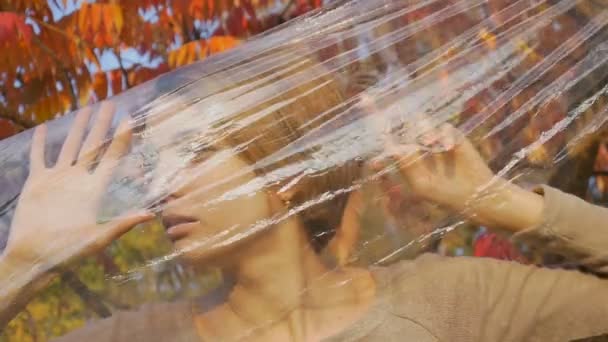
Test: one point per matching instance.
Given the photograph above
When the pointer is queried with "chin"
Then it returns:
(195, 253)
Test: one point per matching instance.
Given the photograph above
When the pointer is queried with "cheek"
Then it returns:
(228, 217)
(240, 214)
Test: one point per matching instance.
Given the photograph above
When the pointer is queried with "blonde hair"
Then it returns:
(305, 96)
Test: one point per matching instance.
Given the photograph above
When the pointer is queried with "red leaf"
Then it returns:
(236, 22)
(490, 245)
(7, 129)
(13, 28)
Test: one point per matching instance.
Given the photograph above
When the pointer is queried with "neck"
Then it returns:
(281, 282)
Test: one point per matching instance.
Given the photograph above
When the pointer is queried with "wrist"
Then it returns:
(12, 263)
(506, 205)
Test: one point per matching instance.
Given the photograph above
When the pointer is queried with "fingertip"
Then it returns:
(124, 127)
(84, 113)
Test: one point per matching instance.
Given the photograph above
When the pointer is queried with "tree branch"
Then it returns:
(124, 72)
(64, 70)
(87, 296)
(286, 9)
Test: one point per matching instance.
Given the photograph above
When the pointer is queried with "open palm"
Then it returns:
(56, 216)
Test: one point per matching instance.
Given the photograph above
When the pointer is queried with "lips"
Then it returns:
(179, 226)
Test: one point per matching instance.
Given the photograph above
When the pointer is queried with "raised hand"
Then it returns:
(57, 214)
(444, 167)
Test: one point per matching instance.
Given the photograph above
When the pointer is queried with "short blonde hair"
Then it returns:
(304, 96)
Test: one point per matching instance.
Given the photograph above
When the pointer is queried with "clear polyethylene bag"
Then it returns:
(330, 179)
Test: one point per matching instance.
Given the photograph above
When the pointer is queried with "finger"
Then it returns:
(37, 160)
(97, 135)
(119, 145)
(407, 156)
(121, 225)
(275, 203)
(72, 143)
(432, 161)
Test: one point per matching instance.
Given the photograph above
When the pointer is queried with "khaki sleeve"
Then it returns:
(151, 323)
(571, 227)
(480, 299)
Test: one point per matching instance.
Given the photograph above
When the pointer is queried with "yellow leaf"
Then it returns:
(203, 50)
(182, 55)
(192, 52)
(172, 58)
(113, 18)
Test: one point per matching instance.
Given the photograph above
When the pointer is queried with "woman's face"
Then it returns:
(208, 206)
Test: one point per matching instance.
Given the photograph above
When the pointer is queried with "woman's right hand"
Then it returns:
(56, 218)
(454, 176)
(459, 178)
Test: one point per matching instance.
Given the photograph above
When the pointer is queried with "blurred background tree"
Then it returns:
(58, 55)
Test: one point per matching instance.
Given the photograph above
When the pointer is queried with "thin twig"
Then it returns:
(286, 8)
(79, 42)
(64, 69)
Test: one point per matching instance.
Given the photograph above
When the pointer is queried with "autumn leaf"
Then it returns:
(100, 85)
(13, 28)
(116, 81)
(83, 18)
(221, 43)
(113, 19)
(95, 17)
(7, 129)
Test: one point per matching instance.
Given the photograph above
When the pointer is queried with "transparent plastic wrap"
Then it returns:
(298, 187)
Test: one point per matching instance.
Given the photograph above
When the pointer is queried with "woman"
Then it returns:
(284, 288)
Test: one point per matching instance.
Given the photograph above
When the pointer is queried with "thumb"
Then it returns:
(126, 222)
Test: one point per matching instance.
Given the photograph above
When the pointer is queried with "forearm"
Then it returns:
(506, 205)
(19, 283)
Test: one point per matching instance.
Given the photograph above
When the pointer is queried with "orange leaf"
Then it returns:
(66, 101)
(99, 39)
(100, 85)
(221, 43)
(95, 14)
(83, 18)
(193, 49)
(116, 81)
